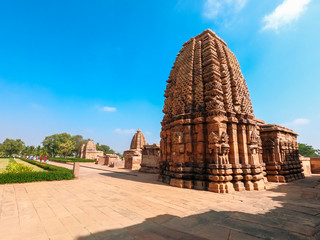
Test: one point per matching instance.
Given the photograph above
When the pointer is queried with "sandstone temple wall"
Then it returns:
(306, 165)
(281, 153)
(150, 158)
(315, 165)
(111, 160)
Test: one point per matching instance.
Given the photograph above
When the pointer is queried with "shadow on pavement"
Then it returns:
(135, 176)
(298, 218)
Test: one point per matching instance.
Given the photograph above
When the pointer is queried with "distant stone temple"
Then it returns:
(150, 158)
(111, 160)
(89, 151)
(133, 156)
(210, 138)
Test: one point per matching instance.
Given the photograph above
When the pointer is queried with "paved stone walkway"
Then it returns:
(120, 204)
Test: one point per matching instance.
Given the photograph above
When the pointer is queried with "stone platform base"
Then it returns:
(218, 187)
(221, 187)
(285, 178)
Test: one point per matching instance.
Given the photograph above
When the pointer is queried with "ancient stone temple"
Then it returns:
(133, 156)
(210, 138)
(111, 160)
(280, 153)
(89, 150)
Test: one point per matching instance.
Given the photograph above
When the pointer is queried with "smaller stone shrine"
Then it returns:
(89, 151)
(280, 153)
(150, 158)
(133, 156)
(111, 160)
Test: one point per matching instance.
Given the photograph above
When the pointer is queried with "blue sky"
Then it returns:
(99, 68)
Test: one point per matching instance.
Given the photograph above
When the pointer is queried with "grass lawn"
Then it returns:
(3, 164)
(20, 171)
(5, 161)
(35, 168)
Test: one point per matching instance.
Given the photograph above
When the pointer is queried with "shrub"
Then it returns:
(14, 167)
(52, 173)
(66, 160)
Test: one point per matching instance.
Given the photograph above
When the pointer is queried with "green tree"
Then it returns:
(66, 148)
(11, 146)
(38, 151)
(308, 151)
(79, 141)
(28, 150)
(106, 149)
(58, 144)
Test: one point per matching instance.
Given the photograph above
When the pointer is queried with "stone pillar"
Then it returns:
(199, 165)
(244, 158)
(234, 155)
(76, 169)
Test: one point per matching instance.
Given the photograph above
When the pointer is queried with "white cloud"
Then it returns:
(124, 131)
(284, 14)
(297, 122)
(109, 109)
(213, 8)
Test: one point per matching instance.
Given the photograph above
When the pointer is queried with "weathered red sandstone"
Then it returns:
(210, 138)
(150, 158)
(281, 153)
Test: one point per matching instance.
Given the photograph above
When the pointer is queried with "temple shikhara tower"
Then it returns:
(210, 138)
(89, 150)
(133, 156)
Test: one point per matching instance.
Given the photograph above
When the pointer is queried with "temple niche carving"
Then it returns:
(210, 138)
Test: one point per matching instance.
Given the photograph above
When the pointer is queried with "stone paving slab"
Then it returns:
(108, 203)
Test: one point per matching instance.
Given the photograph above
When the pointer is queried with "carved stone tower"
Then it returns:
(133, 156)
(138, 140)
(210, 138)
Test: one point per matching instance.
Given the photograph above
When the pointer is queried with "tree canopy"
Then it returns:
(62, 143)
(308, 151)
(11, 146)
(79, 141)
(105, 148)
